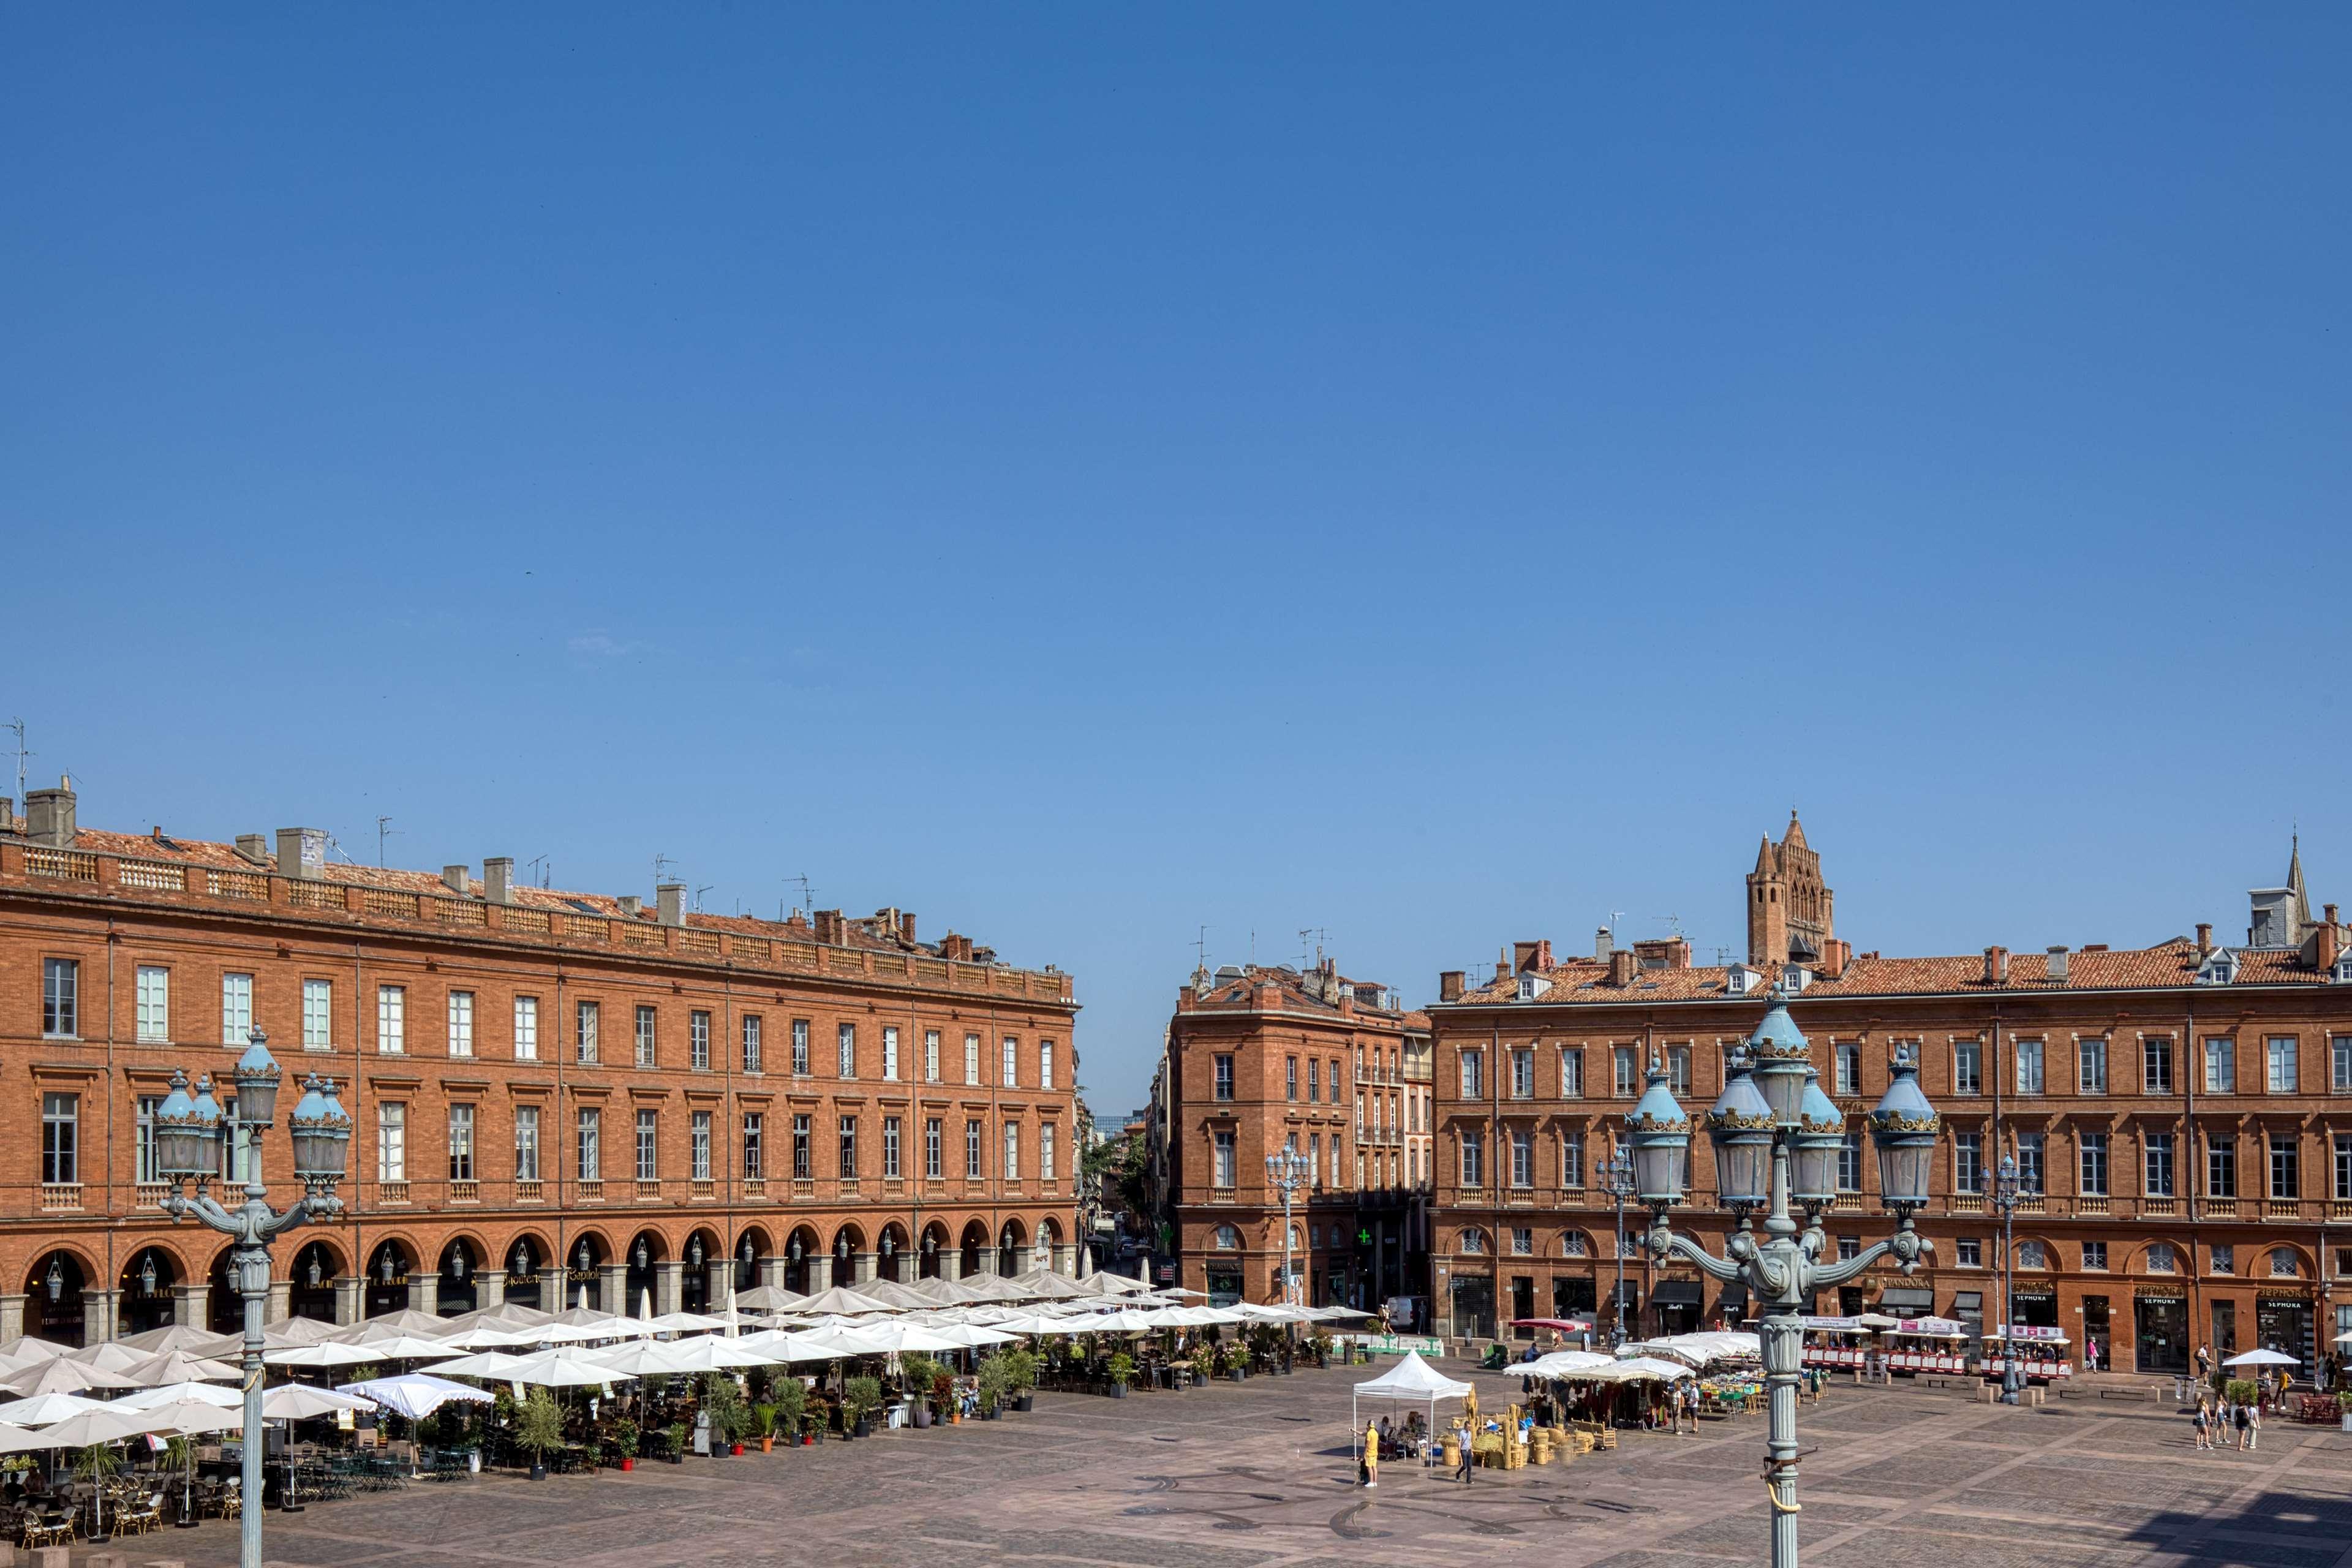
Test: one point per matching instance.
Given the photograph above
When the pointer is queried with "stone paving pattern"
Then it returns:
(1258, 1476)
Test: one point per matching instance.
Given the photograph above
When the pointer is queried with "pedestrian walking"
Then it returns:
(1462, 1473)
(2203, 1423)
(2253, 1428)
(2240, 1421)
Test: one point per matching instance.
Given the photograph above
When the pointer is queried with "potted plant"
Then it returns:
(860, 1398)
(792, 1402)
(626, 1440)
(916, 1371)
(995, 1379)
(1022, 1364)
(1233, 1360)
(723, 1403)
(97, 1464)
(1122, 1373)
(539, 1429)
(679, 1435)
(943, 1399)
(763, 1426)
(1204, 1363)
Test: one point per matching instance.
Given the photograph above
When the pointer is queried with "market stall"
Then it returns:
(1411, 1379)
(1931, 1345)
(2042, 1354)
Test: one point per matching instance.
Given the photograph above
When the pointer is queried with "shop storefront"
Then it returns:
(1473, 1302)
(1907, 1301)
(2160, 1331)
(2285, 1322)
(1572, 1297)
(1677, 1302)
(2034, 1306)
(1968, 1310)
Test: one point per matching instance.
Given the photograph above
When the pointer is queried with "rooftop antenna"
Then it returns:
(18, 726)
(1200, 951)
(699, 891)
(808, 893)
(540, 861)
(383, 830)
(1674, 923)
(664, 869)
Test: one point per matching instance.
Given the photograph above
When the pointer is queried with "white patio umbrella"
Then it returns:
(686, 1322)
(407, 1321)
(27, 1350)
(636, 1358)
(302, 1401)
(482, 1363)
(901, 1338)
(2262, 1358)
(415, 1395)
(326, 1352)
(840, 1298)
(47, 1409)
(715, 1352)
(184, 1337)
(559, 1369)
(59, 1375)
(769, 1298)
(494, 1337)
(972, 1336)
(180, 1367)
(214, 1394)
(292, 1331)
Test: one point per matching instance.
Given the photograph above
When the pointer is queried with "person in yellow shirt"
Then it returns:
(1371, 1454)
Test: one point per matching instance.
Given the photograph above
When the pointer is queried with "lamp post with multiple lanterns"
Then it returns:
(1776, 1141)
(1288, 1172)
(1617, 1180)
(189, 1130)
(2007, 1189)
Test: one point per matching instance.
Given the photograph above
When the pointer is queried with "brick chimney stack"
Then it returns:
(2204, 938)
(829, 927)
(1450, 986)
(1622, 966)
(1996, 966)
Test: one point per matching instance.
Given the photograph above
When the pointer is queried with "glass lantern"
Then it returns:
(1782, 1056)
(1740, 1127)
(186, 1146)
(1904, 1126)
(1660, 1134)
(1814, 1151)
(320, 1132)
(256, 1076)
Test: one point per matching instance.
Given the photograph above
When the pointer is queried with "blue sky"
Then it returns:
(1088, 473)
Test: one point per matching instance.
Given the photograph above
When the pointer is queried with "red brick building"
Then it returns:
(553, 1092)
(2182, 1113)
(1261, 1058)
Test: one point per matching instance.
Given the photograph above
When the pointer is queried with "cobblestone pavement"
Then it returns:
(1258, 1476)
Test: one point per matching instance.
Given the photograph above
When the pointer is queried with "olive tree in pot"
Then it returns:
(995, 1381)
(1122, 1373)
(723, 1403)
(792, 1405)
(860, 1398)
(1021, 1366)
(539, 1429)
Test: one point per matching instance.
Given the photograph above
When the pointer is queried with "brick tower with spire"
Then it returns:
(1789, 909)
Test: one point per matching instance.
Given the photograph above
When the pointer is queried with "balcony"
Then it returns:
(2283, 1208)
(804, 1189)
(1846, 1202)
(531, 1192)
(702, 1192)
(755, 1187)
(849, 1187)
(1968, 1202)
(61, 1197)
(2091, 1204)
(152, 1193)
(2159, 1208)
(391, 1194)
(588, 1192)
(2221, 1208)
(465, 1192)
(2031, 1202)
(648, 1190)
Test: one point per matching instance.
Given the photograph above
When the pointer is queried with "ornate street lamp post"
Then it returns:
(189, 1130)
(1777, 1138)
(1288, 1172)
(1617, 1180)
(2006, 1190)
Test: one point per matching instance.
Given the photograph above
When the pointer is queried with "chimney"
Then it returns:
(630, 904)
(1996, 968)
(1836, 954)
(302, 852)
(669, 899)
(2204, 938)
(50, 815)
(1530, 957)
(1449, 985)
(2057, 966)
(1601, 946)
(254, 847)
(828, 929)
(497, 878)
(958, 948)
(1623, 967)
(7, 815)
(458, 880)
(907, 928)
(2330, 940)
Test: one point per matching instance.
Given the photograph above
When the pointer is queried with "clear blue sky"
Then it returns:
(1084, 474)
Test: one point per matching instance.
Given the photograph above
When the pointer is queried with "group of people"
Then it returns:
(2218, 1421)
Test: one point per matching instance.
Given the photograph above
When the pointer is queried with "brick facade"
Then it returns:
(378, 977)
(2189, 1107)
(1258, 1057)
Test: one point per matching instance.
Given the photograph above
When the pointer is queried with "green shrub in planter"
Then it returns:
(791, 1404)
(2242, 1389)
(538, 1428)
(860, 1398)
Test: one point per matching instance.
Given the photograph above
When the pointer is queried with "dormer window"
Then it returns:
(1796, 977)
(2219, 968)
(1532, 987)
(1738, 981)
(2342, 972)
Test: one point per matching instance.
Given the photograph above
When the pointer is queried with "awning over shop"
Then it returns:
(1905, 1297)
(1967, 1302)
(1735, 1297)
(1678, 1293)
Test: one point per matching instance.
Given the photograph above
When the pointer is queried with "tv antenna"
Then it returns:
(1200, 951)
(18, 726)
(664, 869)
(383, 830)
(1674, 923)
(699, 891)
(1312, 937)
(808, 893)
(540, 861)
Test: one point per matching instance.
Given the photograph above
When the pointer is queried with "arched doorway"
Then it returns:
(846, 1244)
(803, 1260)
(585, 1284)
(646, 1253)
(1009, 1248)
(455, 1292)
(53, 1303)
(975, 1243)
(524, 1284)
(387, 1279)
(224, 1302)
(890, 1257)
(935, 1240)
(694, 1286)
(145, 1298)
(315, 1268)
(747, 1253)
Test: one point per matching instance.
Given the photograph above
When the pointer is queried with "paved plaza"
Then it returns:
(1258, 1476)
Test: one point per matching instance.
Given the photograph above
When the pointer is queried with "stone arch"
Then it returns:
(586, 1253)
(974, 1244)
(751, 1245)
(641, 1272)
(848, 1241)
(938, 1241)
(53, 1293)
(459, 1264)
(310, 1275)
(389, 1264)
(2255, 1264)
(526, 1259)
(2184, 1258)
(703, 1248)
(144, 1297)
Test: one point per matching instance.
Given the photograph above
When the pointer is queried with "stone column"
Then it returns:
(12, 1317)
(715, 1277)
(669, 1280)
(191, 1305)
(490, 1287)
(280, 1305)
(98, 1316)
(555, 1288)
(987, 1262)
(771, 1273)
(1066, 1260)
(350, 1299)
(424, 1292)
(861, 1268)
(613, 1286)
(952, 1265)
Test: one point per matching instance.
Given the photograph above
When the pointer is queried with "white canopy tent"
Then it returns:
(1411, 1379)
(417, 1396)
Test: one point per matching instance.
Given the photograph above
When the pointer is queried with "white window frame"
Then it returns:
(461, 1022)
(526, 1141)
(392, 1141)
(318, 1014)
(525, 1028)
(1011, 1062)
(154, 1005)
(890, 1053)
(236, 1010)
